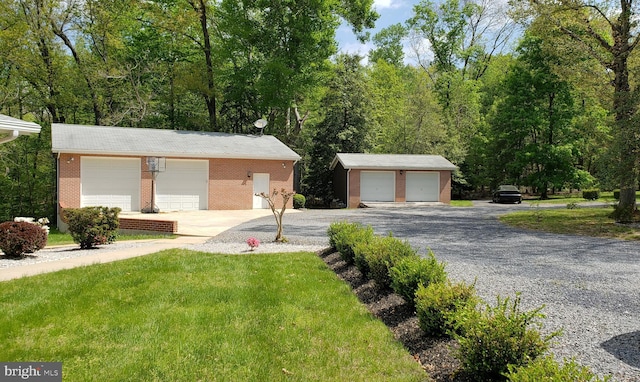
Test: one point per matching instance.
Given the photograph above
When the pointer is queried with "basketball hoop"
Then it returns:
(154, 166)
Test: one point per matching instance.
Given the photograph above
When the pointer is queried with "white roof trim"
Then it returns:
(392, 162)
(14, 127)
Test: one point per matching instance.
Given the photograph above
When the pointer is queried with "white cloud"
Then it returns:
(385, 4)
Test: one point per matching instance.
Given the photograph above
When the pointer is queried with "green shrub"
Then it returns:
(411, 271)
(592, 194)
(616, 194)
(343, 236)
(19, 238)
(91, 226)
(441, 307)
(299, 201)
(572, 206)
(498, 337)
(548, 370)
(359, 259)
(374, 257)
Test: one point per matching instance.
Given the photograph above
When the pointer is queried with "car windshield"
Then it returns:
(508, 188)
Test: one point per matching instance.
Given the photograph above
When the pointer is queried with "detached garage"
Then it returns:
(110, 166)
(399, 178)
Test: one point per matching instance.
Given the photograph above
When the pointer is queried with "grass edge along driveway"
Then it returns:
(592, 222)
(180, 315)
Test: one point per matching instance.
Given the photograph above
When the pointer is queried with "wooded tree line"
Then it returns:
(536, 93)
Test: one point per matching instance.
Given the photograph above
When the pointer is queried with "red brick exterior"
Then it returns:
(230, 181)
(401, 187)
(163, 226)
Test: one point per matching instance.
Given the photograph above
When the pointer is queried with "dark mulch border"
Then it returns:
(435, 355)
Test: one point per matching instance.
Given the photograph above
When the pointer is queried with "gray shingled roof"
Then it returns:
(392, 162)
(109, 140)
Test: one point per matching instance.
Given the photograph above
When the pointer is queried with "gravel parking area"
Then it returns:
(590, 287)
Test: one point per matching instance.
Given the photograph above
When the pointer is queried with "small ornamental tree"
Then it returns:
(19, 238)
(286, 195)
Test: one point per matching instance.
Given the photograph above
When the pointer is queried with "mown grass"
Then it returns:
(578, 221)
(605, 197)
(58, 238)
(461, 203)
(180, 315)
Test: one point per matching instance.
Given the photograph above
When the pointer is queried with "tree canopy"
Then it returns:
(538, 93)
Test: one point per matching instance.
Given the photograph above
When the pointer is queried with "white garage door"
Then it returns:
(183, 186)
(110, 182)
(377, 186)
(423, 187)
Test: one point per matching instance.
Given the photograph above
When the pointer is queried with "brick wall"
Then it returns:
(231, 181)
(163, 226)
(445, 187)
(401, 187)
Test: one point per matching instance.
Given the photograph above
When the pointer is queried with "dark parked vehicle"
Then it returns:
(507, 194)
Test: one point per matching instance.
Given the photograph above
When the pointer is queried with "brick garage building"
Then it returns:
(396, 178)
(108, 166)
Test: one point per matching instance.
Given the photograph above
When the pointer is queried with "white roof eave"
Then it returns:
(14, 127)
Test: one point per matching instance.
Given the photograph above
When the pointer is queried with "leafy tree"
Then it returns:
(532, 137)
(407, 115)
(388, 43)
(607, 32)
(344, 128)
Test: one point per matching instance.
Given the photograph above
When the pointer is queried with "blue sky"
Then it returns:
(393, 12)
(390, 11)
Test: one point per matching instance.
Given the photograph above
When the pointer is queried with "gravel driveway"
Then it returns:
(590, 287)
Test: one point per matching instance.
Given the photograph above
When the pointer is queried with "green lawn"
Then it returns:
(180, 315)
(58, 238)
(580, 221)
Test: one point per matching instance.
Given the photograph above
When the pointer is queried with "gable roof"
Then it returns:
(110, 140)
(392, 162)
(11, 128)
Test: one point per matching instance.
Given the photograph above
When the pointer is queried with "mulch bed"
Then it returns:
(435, 355)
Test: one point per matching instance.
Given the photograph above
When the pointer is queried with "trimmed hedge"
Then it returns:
(591, 194)
(299, 201)
(408, 273)
(549, 370)
(20, 238)
(92, 226)
(344, 236)
(441, 307)
(374, 257)
(500, 336)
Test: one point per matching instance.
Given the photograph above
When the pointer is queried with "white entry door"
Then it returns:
(260, 184)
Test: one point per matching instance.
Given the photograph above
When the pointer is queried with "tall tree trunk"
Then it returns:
(97, 113)
(210, 96)
(624, 106)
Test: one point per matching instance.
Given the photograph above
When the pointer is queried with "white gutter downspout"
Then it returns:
(15, 134)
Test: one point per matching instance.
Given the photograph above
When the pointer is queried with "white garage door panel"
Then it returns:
(110, 182)
(183, 186)
(377, 186)
(423, 187)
